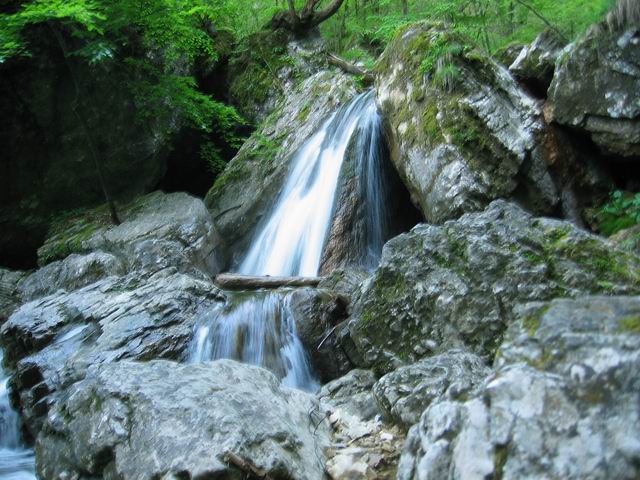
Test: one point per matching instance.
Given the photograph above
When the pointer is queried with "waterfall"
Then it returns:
(291, 241)
(370, 154)
(16, 462)
(259, 327)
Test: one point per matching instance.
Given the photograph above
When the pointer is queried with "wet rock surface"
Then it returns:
(161, 419)
(455, 285)
(562, 402)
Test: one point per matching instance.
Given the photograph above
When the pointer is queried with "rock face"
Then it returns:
(353, 393)
(165, 420)
(535, 64)
(462, 132)
(595, 89)
(407, 392)
(10, 297)
(249, 184)
(455, 285)
(268, 66)
(133, 291)
(40, 128)
(371, 203)
(562, 404)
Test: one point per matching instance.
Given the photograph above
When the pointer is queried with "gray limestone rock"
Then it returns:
(161, 419)
(455, 285)
(407, 392)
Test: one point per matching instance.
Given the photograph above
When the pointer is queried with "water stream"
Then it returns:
(259, 327)
(16, 461)
(291, 241)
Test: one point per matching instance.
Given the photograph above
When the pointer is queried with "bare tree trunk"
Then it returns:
(98, 163)
(308, 18)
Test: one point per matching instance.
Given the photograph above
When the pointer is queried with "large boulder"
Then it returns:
(165, 420)
(407, 392)
(455, 285)
(462, 132)
(562, 404)
(106, 293)
(247, 188)
(157, 231)
(595, 89)
(50, 342)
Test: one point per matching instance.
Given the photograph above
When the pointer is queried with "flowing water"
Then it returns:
(16, 462)
(371, 154)
(259, 327)
(291, 241)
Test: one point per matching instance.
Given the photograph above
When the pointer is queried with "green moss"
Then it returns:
(630, 324)
(69, 230)
(534, 257)
(254, 68)
(303, 114)
(430, 125)
(531, 322)
(500, 455)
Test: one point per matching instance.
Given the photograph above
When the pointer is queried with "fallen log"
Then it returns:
(350, 68)
(234, 281)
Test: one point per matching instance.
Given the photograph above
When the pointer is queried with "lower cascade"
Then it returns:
(259, 327)
(16, 462)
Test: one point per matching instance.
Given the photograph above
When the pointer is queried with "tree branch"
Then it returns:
(544, 20)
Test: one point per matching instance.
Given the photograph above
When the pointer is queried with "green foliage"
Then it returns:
(212, 155)
(622, 211)
(152, 40)
(490, 24)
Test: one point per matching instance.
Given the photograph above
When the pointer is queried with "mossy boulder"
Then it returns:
(158, 230)
(462, 131)
(595, 89)
(266, 65)
(248, 186)
(455, 285)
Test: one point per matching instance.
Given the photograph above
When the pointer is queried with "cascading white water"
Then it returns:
(16, 462)
(374, 190)
(291, 241)
(259, 327)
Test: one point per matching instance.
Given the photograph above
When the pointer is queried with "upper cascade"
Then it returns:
(291, 241)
